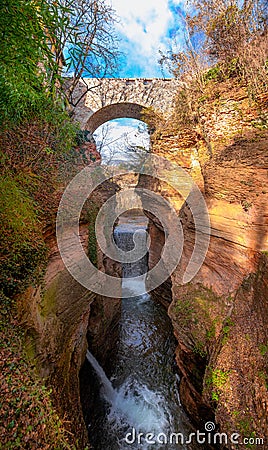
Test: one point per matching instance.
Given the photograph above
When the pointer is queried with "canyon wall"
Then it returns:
(56, 316)
(62, 318)
(220, 317)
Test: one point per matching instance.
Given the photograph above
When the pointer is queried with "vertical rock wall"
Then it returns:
(62, 318)
(220, 317)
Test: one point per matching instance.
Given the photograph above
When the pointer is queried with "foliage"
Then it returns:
(217, 380)
(38, 139)
(213, 73)
(263, 375)
(38, 155)
(28, 417)
(34, 168)
(236, 37)
(26, 58)
(37, 145)
(185, 310)
(228, 323)
(23, 249)
(223, 40)
(200, 349)
(263, 349)
(41, 39)
(229, 26)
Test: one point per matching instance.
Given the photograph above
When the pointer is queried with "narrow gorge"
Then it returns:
(215, 325)
(134, 225)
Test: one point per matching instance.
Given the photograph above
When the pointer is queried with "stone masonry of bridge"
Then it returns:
(112, 98)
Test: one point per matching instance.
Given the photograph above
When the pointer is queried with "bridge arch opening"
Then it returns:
(114, 111)
(122, 140)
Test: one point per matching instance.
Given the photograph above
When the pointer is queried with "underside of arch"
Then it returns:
(114, 111)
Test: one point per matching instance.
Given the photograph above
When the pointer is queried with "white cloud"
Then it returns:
(143, 27)
(144, 23)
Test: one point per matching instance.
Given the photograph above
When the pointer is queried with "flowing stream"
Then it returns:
(141, 394)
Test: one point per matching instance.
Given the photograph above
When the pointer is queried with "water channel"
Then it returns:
(141, 394)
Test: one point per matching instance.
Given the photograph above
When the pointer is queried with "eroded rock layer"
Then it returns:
(62, 319)
(220, 317)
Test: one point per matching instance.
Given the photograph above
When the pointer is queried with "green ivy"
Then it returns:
(217, 380)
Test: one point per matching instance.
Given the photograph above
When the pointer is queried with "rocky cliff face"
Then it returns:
(62, 319)
(56, 317)
(219, 318)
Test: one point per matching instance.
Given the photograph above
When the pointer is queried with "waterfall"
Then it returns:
(124, 240)
(123, 235)
(107, 388)
(133, 404)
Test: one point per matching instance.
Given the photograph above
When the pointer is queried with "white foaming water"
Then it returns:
(143, 299)
(136, 406)
(134, 287)
(107, 387)
(133, 405)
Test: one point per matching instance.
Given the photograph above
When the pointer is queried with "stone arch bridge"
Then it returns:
(113, 98)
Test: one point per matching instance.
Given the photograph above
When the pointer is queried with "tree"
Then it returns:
(228, 25)
(114, 147)
(229, 34)
(235, 37)
(84, 43)
(42, 40)
(25, 56)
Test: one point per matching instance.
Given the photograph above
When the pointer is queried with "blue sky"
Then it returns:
(144, 28)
